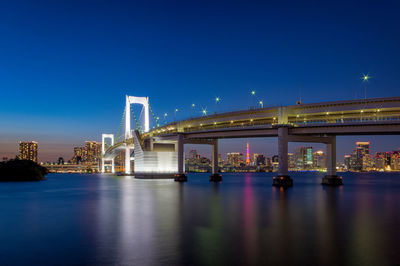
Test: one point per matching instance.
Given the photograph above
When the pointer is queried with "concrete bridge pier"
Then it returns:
(180, 176)
(127, 160)
(112, 166)
(215, 176)
(331, 178)
(283, 179)
(103, 166)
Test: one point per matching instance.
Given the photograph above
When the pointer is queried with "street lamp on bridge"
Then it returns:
(216, 101)
(191, 109)
(176, 110)
(165, 118)
(252, 98)
(365, 79)
(261, 104)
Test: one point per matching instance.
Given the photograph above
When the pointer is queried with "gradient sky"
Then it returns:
(65, 66)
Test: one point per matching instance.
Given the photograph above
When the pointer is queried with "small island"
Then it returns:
(21, 170)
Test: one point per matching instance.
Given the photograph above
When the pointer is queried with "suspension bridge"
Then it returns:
(159, 152)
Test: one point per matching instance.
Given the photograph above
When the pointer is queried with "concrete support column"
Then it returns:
(215, 157)
(103, 167)
(331, 157)
(181, 177)
(283, 151)
(180, 154)
(283, 179)
(215, 176)
(127, 160)
(331, 179)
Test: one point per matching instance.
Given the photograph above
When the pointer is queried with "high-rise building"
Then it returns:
(347, 161)
(260, 160)
(361, 150)
(395, 160)
(275, 163)
(78, 154)
(255, 155)
(382, 160)
(319, 160)
(303, 157)
(92, 152)
(28, 150)
(291, 161)
(234, 158)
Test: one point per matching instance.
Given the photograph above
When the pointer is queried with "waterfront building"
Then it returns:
(78, 155)
(28, 150)
(254, 160)
(395, 160)
(275, 163)
(92, 153)
(303, 157)
(358, 162)
(234, 158)
(260, 160)
(347, 162)
(291, 161)
(319, 160)
(382, 160)
(367, 162)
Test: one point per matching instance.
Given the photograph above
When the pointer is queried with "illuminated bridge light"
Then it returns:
(231, 121)
(297, 116)
(362, 111)
(251, 120)
(378, 110)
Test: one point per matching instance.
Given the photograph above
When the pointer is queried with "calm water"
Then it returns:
(105, 220)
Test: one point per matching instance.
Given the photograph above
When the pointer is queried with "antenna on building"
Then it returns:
(299, 100)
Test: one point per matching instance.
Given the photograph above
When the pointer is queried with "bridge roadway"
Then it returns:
(316, 122)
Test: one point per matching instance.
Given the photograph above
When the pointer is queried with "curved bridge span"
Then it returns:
(159, 152)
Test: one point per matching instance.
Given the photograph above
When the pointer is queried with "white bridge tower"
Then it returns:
(128, 132)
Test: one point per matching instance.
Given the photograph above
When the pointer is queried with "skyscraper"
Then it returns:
(78, 154)
(358, 161)
(28, 150)
(303, 157)
(92, 153)
(319, 160)
(234, 158)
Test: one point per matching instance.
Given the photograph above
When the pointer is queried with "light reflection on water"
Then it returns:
(103, 219)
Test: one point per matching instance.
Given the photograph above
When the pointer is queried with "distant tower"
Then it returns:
(247, 154)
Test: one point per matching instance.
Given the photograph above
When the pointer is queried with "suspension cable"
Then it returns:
(120, 125)
(155, 118)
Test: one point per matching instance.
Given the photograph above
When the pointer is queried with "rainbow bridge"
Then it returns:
(159, 152)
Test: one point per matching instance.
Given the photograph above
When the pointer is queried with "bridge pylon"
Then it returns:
(103, 151)
(128, 131)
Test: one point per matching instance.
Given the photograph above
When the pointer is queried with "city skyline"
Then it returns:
(68, 84)
(95, 151)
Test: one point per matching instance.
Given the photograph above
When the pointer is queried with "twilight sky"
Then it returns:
(65, 66)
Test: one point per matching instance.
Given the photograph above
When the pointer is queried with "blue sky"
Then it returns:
(66, 65)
